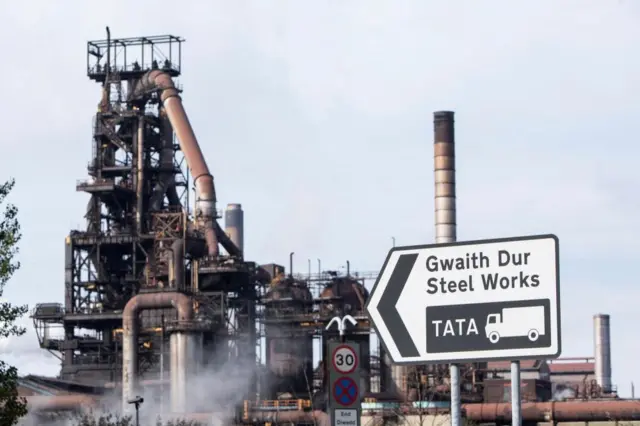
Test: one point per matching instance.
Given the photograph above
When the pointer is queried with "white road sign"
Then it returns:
(474, 301)
(342, 417)
(344, 359)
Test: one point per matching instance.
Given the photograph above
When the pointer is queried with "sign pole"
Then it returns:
(454, 373)
(516, 400)
(344, 384)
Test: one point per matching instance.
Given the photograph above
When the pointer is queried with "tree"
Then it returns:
(12, 406)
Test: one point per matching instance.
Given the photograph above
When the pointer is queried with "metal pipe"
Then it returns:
(445, 214)
(516, 417)
(182, 303)
(140, 175)
(291, 263)
(620, 410)
(162, 350)
(234, 224)
(178, 250)
(454, 373)
(602, 342)
(566, 411)
(175, 362)
(166, 182)
(178, 389)
(205, 204)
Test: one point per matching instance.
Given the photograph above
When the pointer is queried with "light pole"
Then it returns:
(393, 241)
(137, 401)
(309, 264)
(319, 268)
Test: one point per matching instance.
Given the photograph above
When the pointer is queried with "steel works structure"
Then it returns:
(151, 301)
(149, 297)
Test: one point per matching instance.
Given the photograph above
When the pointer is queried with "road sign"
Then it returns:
(345, 391)
(344, 359)
(343, 417)
(473, 301)
(344, 383)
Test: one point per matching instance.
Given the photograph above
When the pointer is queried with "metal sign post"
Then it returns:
(344, 378)
(516, 400)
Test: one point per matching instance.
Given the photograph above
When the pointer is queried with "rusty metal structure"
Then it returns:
(147, 288)
(150, 299)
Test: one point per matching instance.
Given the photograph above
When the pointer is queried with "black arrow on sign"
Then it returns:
(387, 306)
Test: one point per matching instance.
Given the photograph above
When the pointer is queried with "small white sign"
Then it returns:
(476, 300)
(345, 417)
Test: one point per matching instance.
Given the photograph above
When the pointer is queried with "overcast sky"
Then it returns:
(317, 117)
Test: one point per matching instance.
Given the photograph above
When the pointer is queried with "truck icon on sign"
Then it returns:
(516, 322)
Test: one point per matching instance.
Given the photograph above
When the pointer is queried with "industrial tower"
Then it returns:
(144, 251)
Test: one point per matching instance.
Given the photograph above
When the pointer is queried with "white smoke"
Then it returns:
(563, 394)
(218, 391)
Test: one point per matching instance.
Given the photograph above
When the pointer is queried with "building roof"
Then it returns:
(572, 366)
(528, 364)
(48, 386)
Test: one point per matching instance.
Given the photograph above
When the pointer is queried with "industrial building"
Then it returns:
(151, 302)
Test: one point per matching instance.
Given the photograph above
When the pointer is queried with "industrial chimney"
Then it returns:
(445, 217)
(234, 224)
(445, 177)
(602, 342)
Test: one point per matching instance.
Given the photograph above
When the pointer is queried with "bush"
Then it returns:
(93, 419)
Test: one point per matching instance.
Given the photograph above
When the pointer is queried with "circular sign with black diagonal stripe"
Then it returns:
(345, 391)
(469, 301)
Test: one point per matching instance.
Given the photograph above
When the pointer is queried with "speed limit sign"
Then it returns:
(344, 359)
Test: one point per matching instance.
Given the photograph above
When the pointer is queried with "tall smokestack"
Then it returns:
(234, 224)
(445, 214)
(445, 177)
(602, 342)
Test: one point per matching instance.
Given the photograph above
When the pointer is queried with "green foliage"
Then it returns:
(12, 407)
(95, 419)
(178, 423)
(90, 419)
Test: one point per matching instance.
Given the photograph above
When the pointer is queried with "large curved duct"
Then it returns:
(184, 305)
(205, 204)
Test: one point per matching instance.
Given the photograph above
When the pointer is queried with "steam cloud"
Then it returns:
(563, 394)
(217, 389)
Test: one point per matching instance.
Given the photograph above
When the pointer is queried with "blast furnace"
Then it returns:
(147, 290)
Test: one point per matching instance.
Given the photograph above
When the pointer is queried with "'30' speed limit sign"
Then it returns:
(344, 359)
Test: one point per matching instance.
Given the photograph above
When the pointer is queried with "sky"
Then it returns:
(317, 117)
